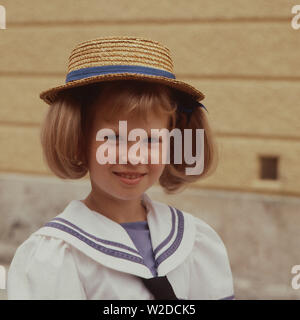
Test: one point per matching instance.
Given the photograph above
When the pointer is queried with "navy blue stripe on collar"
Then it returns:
(176, 242)
(170, 235)
(102, 70)
(96, 246)
(111, 243)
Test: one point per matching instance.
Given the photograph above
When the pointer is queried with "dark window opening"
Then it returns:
(269, 168)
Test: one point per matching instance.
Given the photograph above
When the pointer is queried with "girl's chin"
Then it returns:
(128, 196)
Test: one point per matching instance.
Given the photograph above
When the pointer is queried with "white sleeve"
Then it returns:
(210, 267)
(43, 267)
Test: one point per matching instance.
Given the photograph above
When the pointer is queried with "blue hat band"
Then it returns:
(102, 70)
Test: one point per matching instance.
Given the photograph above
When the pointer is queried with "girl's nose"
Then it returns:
(133, 156)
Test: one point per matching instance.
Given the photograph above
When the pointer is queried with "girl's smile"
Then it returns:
(130, 178)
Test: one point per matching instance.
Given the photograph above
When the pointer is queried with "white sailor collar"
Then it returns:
(107, 242)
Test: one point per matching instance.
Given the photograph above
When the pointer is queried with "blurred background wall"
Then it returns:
(244, 55)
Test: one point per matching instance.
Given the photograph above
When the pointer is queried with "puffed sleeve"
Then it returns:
(43, 267)
(211, 276)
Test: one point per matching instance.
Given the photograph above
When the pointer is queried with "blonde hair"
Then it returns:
(65, 129)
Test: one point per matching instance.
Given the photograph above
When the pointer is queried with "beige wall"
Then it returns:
(244, 55)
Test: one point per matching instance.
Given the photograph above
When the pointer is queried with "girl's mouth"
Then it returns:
(130, 177)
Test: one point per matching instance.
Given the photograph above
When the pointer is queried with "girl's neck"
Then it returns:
(120, 211)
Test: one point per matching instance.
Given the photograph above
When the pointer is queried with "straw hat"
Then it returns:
(117, 58)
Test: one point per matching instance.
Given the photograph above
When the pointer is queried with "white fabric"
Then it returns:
(71, 259)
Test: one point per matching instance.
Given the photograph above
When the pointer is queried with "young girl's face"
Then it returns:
(126, 181)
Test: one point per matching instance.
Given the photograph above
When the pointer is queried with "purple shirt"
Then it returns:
(140, 235)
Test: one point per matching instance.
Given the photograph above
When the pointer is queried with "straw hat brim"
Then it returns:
(50, 95)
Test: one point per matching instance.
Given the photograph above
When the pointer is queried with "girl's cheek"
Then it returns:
(105, 153)
(157, 154)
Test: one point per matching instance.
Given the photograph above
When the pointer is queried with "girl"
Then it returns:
(117, 243)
